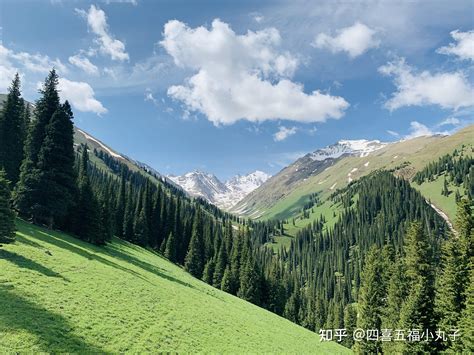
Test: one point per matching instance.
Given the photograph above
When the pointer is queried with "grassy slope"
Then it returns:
(418, 152)
(59, 294)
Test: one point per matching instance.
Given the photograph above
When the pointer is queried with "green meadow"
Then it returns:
(59, 294)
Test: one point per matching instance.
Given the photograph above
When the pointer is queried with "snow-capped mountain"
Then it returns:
(360, 147)
(224, 195)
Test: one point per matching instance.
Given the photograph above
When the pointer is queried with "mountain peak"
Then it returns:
(361, 147)
(225, 195)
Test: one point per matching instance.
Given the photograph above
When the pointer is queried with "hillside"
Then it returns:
(277, 199)
(63, 295)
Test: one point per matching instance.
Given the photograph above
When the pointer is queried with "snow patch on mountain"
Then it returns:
(360, 147)
(224, 195)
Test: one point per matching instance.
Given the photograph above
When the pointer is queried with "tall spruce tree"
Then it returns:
(88, 217)
(194, 262)
(28, 191)
(466, 323)
(7, 216)
(417, 311)
(56, 175)
(12, 132)
(370, 301)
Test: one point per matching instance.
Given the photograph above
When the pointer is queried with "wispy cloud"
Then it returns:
(283, 133)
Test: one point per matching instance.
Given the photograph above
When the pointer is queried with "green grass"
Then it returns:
(59, 294)
(431, 190)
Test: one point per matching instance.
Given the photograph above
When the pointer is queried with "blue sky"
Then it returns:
(230, 87)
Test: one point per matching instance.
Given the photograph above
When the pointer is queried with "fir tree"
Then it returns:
(250, 282)
(56, 176)
(466, 324)
(12, 132)
(7, 217)
(87, 218)
(370, 299)
(28, 192)
(417, 312)
(194, 262)
(170, 248)
(220, 266)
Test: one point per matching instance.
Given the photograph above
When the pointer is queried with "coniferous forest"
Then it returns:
(389, 262)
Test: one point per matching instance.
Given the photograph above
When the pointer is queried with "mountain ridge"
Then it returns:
(222, 194)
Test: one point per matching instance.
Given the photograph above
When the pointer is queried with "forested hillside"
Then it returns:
(387, 260)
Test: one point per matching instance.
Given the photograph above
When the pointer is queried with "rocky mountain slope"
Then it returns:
(223, 194)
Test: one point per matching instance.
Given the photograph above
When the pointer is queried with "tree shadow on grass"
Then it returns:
(115, 252)
(54, 332)
(22, 262)
(77, 249)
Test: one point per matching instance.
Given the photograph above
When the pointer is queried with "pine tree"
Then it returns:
(88, 220)
(250, 282)
(56, 174)
(220, 266)
(194, 262)
(466, 324)
(45, 107)
(12, 132)
(418, 311)
(7, 217)
(370, 299)
(450, 289)
(28, 192)
(170, 248)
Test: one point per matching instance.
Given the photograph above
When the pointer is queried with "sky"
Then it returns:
(229, 87)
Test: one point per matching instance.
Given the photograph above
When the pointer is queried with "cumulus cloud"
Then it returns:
(81, 96)
(7, 69)
(464, 46)
(108, 45)
(36, 63)
(242, 76)
(354, 40)
(447, 90)
(283, 133)
(84, 64)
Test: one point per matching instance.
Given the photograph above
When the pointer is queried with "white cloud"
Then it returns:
(283, 133)
(36, 63)
(464, 46)
(84, 64)
(108, 45)
(393, 133)
(242, 76)
(258, 18)
(7, 69)
(447, 90)
(354, 40)
(418, 130)
(81, 96)
(149, 97)
(450, 121)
